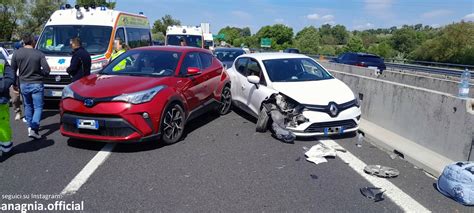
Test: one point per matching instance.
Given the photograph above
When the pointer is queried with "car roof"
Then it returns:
(182, 49)
(228, 48)
(363, 54)
(268, 56)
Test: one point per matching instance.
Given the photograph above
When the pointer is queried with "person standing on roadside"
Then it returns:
(15, 92)
(7, 79)
(32, 68)
(80, 62)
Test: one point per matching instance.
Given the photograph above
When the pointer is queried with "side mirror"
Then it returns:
(192, 71)
(253, 79)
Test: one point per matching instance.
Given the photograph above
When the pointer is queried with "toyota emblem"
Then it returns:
(88, 102)
(333, 109)
(57, 78)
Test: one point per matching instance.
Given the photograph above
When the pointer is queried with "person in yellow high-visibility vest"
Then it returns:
(7, 79)
(119, 48)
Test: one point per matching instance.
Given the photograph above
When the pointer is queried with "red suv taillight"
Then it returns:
(361, 64)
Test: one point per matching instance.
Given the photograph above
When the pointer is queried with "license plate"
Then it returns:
(87, 124)
(373, 68)
(332, 130)
(54, 93)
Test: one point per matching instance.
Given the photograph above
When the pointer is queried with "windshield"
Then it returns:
(227, 55)
(190, 40)
(55, 39)
(295, 69)
(144, 63)
(209, 43)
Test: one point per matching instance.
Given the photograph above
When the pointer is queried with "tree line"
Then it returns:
(29, 16)
(453, 43)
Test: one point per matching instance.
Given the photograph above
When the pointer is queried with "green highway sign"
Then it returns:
(266, 42)
(219, 36)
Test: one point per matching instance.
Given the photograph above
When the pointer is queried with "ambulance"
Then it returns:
(97, 27)
(191, 35)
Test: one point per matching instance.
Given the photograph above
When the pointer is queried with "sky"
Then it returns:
(354, 14)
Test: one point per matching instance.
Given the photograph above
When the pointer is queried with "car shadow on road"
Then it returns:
(139, 147)
(244, 115)
(199, 122)
(31, 146)
(87, 145)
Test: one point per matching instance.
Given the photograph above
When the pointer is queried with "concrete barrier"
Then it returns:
(437, 121)
(432, 82)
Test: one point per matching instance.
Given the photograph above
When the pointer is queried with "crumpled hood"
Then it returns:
(316, 92)
(100, 86)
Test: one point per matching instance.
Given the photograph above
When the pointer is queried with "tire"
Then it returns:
(262, 122)
(172, 124)
(226, 101)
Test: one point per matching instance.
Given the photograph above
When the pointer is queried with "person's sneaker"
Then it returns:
(33, 134)
(6, 146)
(24, 120)
(17, 116)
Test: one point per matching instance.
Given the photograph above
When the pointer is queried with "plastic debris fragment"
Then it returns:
(381, 171)
(373, 193)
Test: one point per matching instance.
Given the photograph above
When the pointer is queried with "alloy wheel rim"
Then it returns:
(173, 123)
(226, 100)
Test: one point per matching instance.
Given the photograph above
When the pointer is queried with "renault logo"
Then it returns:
(88, 102)
(333, 109)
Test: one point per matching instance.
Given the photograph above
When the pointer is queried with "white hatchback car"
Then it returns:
(307, 99)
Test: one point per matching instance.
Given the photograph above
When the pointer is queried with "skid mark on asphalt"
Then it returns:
(403, 200)
(88, 170)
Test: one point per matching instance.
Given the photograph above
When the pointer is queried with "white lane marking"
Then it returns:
(403, 200)
(88, 170)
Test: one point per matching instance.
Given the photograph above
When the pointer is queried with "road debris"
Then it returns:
(318, 153)
(381, 171)
(373, 193)
(360, 139)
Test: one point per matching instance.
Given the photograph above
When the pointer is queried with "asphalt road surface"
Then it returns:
(222, 165)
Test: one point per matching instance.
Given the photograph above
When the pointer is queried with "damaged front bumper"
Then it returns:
(314, 120)
(320, 123)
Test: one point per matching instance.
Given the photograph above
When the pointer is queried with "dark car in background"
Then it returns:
(291, 50)
(228, 55)
(362, 60)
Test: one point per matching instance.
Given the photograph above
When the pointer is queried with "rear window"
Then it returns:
(374, 59)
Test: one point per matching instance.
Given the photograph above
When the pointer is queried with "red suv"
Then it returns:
(145, 93)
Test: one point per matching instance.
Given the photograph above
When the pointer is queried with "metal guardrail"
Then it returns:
(430, 64)
(427, 69)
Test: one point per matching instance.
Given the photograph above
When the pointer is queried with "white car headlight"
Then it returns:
(97, 66)
(139, 97)
(67, 93)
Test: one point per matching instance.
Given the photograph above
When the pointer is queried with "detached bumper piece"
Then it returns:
(111, 127)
